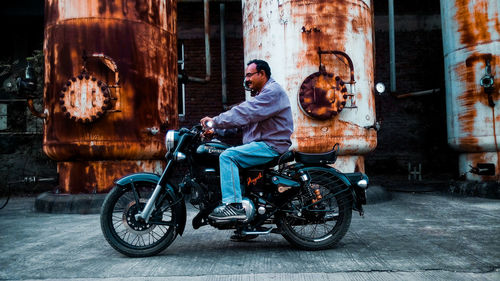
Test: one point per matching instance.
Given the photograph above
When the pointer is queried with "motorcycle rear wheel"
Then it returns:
(131, 237)
(327, 222)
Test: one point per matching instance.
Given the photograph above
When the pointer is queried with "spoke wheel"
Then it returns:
(321, 224)
(130, 236)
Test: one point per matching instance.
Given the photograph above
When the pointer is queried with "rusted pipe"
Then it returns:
(336, 52)
(223, 54)
(392, 47)
(12, 100)
(34, 111)
(207, 47)
(419, 93)
(108, 62)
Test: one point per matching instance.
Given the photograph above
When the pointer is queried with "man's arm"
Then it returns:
(266, 104)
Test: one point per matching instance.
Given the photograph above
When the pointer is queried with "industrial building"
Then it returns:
(109, 77)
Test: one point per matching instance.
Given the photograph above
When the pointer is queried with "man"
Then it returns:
(266, 122)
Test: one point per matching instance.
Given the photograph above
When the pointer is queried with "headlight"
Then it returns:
(170, 139)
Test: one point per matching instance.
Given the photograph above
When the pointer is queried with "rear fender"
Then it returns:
(359, 191)
(179, 206)
(332, 171)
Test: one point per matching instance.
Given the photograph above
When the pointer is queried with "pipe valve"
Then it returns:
(487, 80)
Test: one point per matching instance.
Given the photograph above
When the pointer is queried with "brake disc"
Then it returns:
(129, 221)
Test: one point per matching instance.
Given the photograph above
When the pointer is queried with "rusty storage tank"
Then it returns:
(471, 43)
(322, 53)
(110, 86)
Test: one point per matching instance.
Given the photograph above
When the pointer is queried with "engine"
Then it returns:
(203, 188)
(205, 193)
(249, 208)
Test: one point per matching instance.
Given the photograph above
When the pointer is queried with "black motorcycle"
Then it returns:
(297, 195)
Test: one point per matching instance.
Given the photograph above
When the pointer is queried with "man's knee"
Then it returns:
(227, 155)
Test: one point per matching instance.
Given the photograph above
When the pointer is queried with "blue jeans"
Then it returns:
(243, 156)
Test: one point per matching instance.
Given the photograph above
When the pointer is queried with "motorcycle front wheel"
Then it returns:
(319, 226)
(132, 237)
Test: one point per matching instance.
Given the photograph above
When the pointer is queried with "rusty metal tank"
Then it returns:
(110, 88)
(471, 44)
(322, 53)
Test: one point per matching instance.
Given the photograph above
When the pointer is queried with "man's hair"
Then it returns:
(261, 65)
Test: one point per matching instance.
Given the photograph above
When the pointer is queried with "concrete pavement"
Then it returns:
(412, 237)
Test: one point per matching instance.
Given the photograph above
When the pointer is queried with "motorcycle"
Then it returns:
(298, 195)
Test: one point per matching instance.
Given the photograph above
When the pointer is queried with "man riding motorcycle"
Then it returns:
(267, 124)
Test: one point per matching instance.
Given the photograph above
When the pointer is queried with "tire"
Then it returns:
(128, 236)
(327, 222)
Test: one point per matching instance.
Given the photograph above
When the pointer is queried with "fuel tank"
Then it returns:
(207, 154)
(322, 53)
(110, 88)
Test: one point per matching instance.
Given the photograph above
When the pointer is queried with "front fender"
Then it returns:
(147, 177)
(179, 206)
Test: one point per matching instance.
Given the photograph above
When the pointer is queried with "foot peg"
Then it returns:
(259, 231)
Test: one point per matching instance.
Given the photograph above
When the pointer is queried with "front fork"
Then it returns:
(145, 214)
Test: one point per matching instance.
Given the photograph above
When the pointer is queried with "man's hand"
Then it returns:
(207, 134)
(205, 120)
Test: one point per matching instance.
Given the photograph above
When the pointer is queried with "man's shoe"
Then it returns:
(228, 212)
(243, 238)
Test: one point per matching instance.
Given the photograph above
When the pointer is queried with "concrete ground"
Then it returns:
(411, 237)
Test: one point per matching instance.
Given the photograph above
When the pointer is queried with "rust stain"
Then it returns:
(497, 22)
(471, 95)
(99, 176)
(468, 99)
(496, 143)
(321, 138)
(360, 164)
(474, 158)
(329, 23)
(140, 36)
(151, 12)
(473, 25)
(325, 26)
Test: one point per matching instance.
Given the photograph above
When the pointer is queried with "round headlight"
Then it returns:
(170, 139)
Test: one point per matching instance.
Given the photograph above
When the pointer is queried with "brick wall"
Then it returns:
(206, 99)
(414, 128)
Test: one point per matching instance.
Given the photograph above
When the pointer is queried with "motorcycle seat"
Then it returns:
(279, 160)
(328, 157)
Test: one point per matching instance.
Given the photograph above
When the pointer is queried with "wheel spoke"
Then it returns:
(136, 234)
(322, 217)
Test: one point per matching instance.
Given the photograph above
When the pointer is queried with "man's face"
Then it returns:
(254, 79)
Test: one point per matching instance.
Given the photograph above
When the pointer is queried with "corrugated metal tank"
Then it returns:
(110, 84)
(331, 104)
(471, 40)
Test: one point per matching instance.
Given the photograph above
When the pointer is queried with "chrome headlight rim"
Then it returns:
(170, 140)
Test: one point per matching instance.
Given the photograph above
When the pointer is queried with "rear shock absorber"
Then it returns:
(315, 193)
(313, 190)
